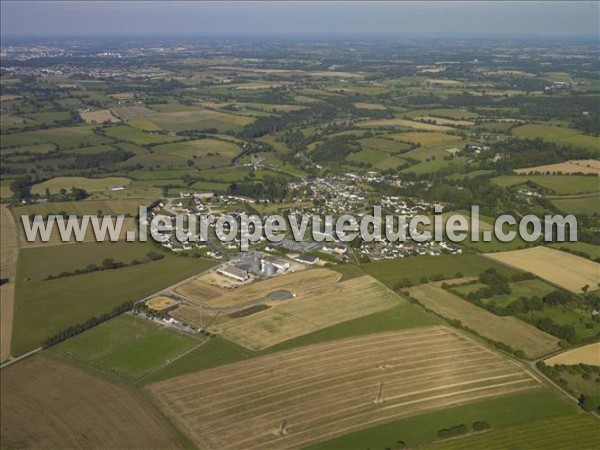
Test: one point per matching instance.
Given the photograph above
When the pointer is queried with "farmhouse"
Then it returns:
(234, 272)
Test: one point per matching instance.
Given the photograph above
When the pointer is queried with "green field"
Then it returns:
(377, 159)
(392, 271)
(128, 346)
(67, 137)
(54, 185)
(573, 431)
(495, 245)
(200, 119)
(425, 138)
(561, 135)
(501, 414)
(526, 288)
(205, 153)
(129, 134)
(434, 165)
(111, 207)
(559, 184)
(42, 308)
(43, 261)
(585, 204)
(592, 251)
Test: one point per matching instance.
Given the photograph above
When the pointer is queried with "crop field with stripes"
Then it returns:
(299, 397)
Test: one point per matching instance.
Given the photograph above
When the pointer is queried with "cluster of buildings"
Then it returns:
(253, 264)
(392, 250)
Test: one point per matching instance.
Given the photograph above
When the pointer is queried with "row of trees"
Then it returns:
(81, 327)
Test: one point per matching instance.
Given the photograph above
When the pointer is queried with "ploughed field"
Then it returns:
(299, 397)
(51, 404)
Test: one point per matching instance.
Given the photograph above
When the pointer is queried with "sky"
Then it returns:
(114, 18)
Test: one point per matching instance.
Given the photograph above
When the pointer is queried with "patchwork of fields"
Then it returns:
(303, 396)
(310, 311)
(508, 330)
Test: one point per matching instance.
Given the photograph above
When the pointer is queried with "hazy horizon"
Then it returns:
(105, 19)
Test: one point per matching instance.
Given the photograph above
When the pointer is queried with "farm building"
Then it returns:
(234, 272)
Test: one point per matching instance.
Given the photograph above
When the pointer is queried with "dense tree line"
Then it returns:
(81, 327)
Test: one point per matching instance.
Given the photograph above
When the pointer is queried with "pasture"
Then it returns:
(377, 159)
(300, 397)
(425, 138)
(574, 431)
(508, 330)
(390, 272)
(308, 312)
(583, 204)
(560, 135)
(420, 430)
(42, 308)
(127, 346)
(592, 251)
(40, 262)
(559, 184)
(47, 403)
(525, 288)
(205, 153)
(54, 185)
(66, 137)
(563, 269)
(138, 137)
(200, 119)
(112, 207)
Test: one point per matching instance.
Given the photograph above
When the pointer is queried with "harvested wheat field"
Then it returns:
(198, 290)
(564, 269)
(588, 354)
(311, 311)
(373, 106)
(509, 330)
(402, 123)
(53, 405)
(299, 397)
(100, 116)
(573, 166)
